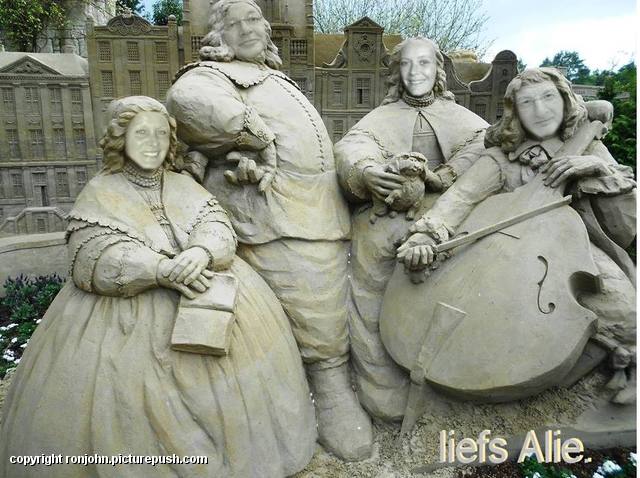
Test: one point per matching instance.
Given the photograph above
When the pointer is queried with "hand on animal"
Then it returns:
(432, 181)
(561, 169)
(417, 252)
(380, 182)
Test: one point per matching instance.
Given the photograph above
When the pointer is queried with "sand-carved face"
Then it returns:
(147, 140)
(244, 31)
(540, 108)
(418, 67)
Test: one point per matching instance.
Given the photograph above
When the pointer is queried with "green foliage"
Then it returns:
(24, 20)
(163, 8)
(577, 71)
(530, 468)
(26, 301)
(135, 6)
(620, 88)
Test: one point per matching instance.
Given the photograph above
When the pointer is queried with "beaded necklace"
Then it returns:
(418, 101)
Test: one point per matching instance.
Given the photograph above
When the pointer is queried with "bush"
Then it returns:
(26, 301)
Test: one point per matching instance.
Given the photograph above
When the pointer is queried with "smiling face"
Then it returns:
(244, 31)
(540, 109)
(418, 68)
(147, 140)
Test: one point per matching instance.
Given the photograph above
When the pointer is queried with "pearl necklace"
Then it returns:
(418, 102)
(142, 178)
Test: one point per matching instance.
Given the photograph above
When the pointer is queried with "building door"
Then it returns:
(40, 195)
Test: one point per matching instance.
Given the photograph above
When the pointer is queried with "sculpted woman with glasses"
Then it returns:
(539, 148)
(100, 376)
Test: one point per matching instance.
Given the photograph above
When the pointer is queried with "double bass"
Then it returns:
(500, 319)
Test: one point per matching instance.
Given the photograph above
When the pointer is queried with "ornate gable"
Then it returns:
(128, 24)
(28, 65)
(364, 22)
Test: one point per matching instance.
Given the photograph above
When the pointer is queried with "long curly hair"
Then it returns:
(508, 133)
(122, 112)
(215, 48)
(395, 86)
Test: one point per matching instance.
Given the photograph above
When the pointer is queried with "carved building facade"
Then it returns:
(47, 140)
(130, 57)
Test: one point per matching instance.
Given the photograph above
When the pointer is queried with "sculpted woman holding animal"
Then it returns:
(535, 279)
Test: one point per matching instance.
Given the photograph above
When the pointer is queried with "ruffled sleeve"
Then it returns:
(109, 262)
(619, 179)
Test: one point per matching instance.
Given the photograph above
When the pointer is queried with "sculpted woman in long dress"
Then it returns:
(541, 115)
(99, 376)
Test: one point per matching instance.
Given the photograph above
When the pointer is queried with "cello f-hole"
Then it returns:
(550, 306)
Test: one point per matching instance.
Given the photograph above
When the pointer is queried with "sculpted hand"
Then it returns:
(380, 182)
(189, 265)
(200, 284)
(432, 181)
(559, 170)
(270, 160)
(247, 171)
(417, 252)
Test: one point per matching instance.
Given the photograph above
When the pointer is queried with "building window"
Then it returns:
(32, 100)
(76, 101)
(59, 143)
(481, 110)
(56, 101)
(17, 184)
(1, 215)
(298, 47)
(302, 84)
(135, 83)
(133, 51)
(338, 129)
(104, 51)
(81, 177)
(337, 89)
(1, 186)
(62, 184)
(363, 88)
(41, 224)
(8, 101)
(107, 83)
(499, 110)
(162, 52)
(14, 143)
(80, 141)
(163, 83)
(39, 179)
(36, 141)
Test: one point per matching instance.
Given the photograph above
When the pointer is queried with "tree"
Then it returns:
(135, 6)
(620, 88)
(23, 21)
(577, 71)
(163, 8)
(453, 24)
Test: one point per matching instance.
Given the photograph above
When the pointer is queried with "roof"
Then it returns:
(469, 71)
(328, 45)
(65, 64)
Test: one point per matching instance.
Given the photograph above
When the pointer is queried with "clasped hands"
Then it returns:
(187, 272)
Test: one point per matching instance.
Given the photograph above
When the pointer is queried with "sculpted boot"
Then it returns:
(344, 428)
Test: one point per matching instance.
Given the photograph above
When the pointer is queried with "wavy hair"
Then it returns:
(395, 86)
(215, 48)
(508, 133)
(122, 112)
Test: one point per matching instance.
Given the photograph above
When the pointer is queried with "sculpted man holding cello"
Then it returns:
(531, 279)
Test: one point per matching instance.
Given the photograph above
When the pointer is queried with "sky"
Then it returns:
(603, 32)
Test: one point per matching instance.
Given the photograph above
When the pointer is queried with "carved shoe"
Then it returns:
(344, 428)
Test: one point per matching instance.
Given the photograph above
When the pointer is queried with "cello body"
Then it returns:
(520, 328)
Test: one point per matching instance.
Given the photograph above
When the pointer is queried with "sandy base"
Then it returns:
(417, 454)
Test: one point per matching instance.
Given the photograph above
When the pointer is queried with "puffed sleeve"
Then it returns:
(354, 153)
(462, 158)
(618, 180)
(211, 115)
(213, 233)
(111, 263)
